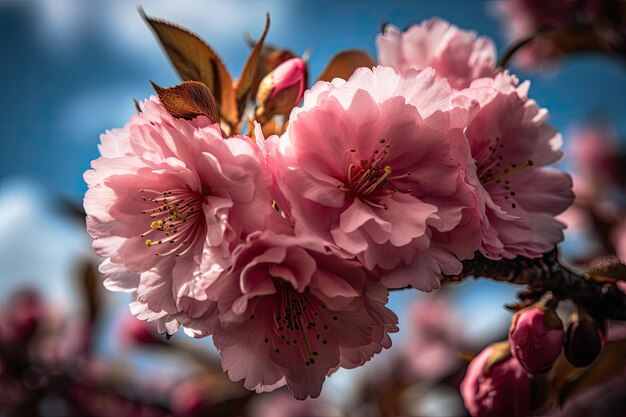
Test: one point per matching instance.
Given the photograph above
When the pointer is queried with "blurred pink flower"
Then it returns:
(134, 332)
(291, 311)
(21, 316)
(282, 404)
(536, 338)
(434, 341)
(594, 151)
(377, 165)
(459, 56)
(167, 195)
(512, 143)
(498, 389)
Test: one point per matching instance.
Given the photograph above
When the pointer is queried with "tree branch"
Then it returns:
(603, 300)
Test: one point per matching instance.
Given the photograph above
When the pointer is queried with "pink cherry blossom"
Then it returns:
(458, 55)
(291, 311)
(512, 144)
(377, 165)
(167, 196)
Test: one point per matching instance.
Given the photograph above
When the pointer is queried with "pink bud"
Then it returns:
(583, 341)
(497, 385)
(281, 90)
(536, 337)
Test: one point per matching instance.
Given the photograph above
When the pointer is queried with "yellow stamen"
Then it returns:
(156, 224)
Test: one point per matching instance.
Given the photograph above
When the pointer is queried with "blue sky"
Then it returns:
(72, 67)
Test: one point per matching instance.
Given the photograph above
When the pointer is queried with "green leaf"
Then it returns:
(345, 63)
(194, 60)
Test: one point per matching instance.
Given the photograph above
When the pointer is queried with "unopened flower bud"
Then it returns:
(584, 340)
(536, 338)
(281, 90)
(496, 384)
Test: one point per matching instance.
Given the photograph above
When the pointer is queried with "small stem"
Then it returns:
(515, 47)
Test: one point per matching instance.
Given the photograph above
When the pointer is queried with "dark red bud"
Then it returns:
(583, 341)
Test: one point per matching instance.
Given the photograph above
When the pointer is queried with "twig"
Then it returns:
(515, 47)
(603, 300)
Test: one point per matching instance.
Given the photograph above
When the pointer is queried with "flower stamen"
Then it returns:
(176, 216)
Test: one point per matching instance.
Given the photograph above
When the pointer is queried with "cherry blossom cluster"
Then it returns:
(283, 248)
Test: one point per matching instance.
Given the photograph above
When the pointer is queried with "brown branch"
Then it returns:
(603, 300)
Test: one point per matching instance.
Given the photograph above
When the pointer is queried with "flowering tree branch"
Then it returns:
(603, 300)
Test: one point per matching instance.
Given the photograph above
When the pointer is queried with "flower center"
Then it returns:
(174, 220)
(299, 323)
(491, 169)
(367, 179)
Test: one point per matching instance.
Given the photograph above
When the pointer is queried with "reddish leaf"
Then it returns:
(188, 100)
(345, 63)
(194, 60)
(250, 68)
